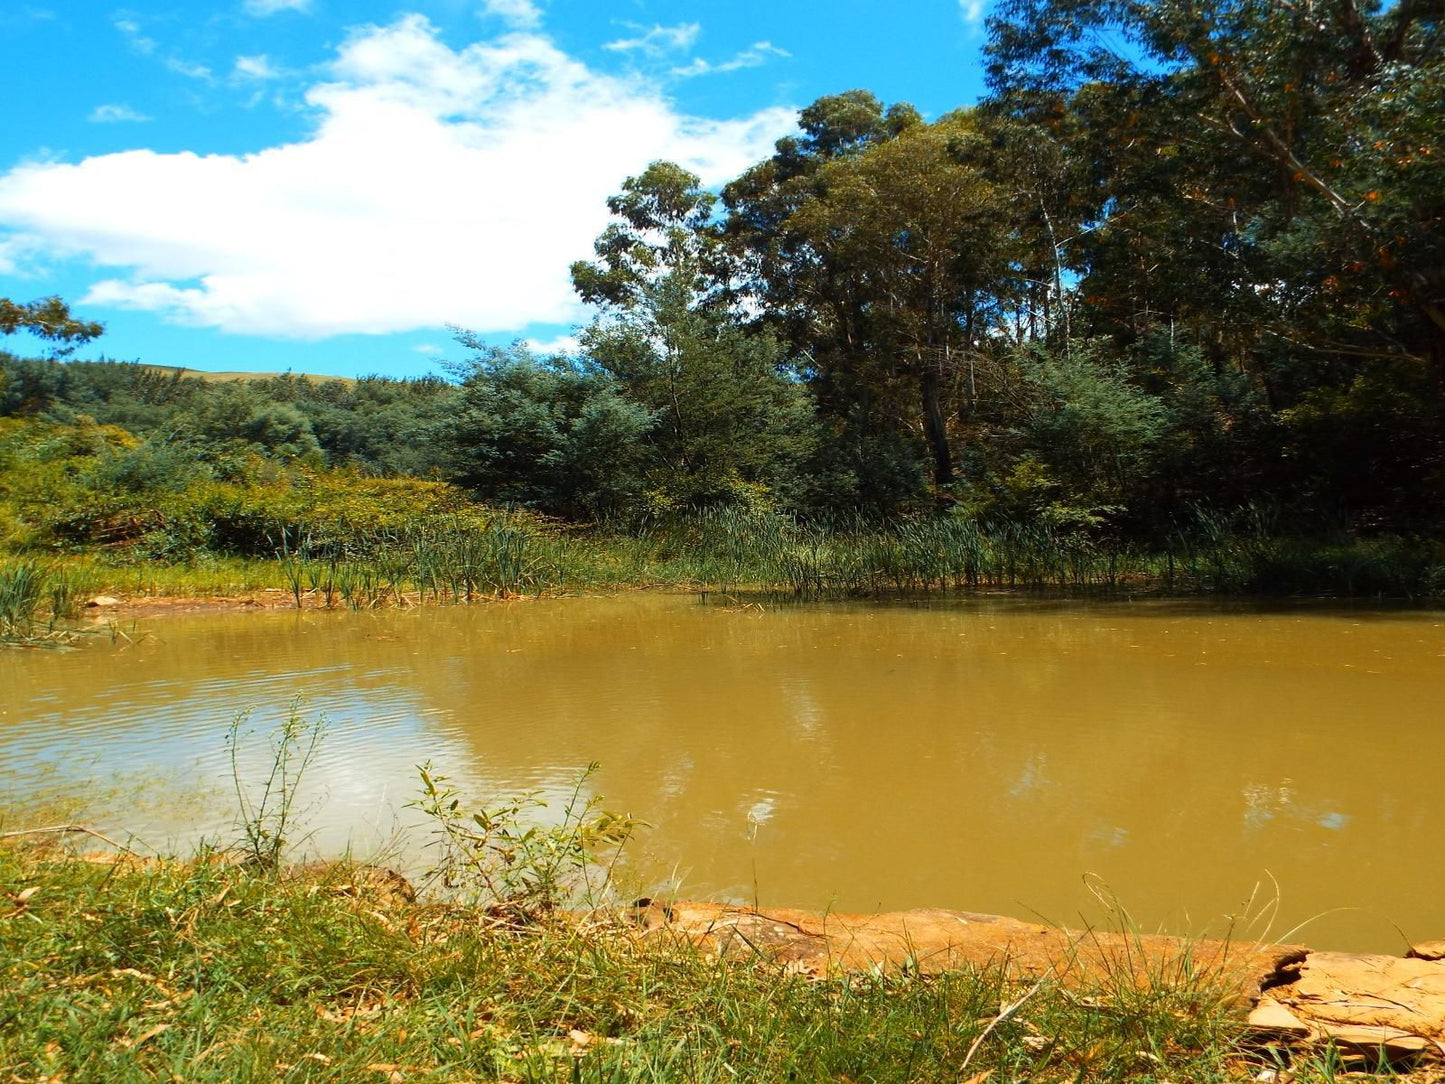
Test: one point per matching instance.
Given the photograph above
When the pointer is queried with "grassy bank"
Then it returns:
(208, 971)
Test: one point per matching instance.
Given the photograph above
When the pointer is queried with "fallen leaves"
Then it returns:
(145, 1036)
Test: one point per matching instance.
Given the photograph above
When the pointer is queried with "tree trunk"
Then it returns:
(934, 428)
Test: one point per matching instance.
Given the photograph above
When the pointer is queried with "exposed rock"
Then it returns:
(103, 601)
(1427, 950)
(1393, 1005)
(936, 940)
(1270, 1019)
(1369, 1007)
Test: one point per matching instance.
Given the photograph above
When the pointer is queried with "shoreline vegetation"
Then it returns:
(335, 538)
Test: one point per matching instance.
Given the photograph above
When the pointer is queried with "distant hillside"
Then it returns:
(202, 374)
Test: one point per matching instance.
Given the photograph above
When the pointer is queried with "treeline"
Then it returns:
(1184, 265)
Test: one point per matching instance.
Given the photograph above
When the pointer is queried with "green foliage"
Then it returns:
(547, 434)
(1087, 422)
(49, 318)
(508, 858)
(726, 422)
(22, 588)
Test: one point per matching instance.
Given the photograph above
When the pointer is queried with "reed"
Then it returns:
(34, 600)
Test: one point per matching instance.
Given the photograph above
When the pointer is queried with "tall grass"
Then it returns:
(437, 560)
(463, 556)
(34, 598)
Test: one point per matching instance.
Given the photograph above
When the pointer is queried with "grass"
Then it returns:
(208, 971)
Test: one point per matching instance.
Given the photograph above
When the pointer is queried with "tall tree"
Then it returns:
(909, 235)
(728, 420)
(1296, 144)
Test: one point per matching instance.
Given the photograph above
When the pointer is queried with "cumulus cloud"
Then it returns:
(439, 186)
(522, 14)
(751, 57)
(566, 345)
(262, 8)
(656, 40)
(115, 113)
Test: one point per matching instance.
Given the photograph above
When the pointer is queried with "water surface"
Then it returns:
(992, 754)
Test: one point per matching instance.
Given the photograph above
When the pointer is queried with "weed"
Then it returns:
(268, 814)
(506, 858)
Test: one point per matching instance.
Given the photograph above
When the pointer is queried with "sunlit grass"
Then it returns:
(207, 971)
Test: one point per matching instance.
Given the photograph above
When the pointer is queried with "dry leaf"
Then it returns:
(145, 1036)
(978, 1078)
(314, 1056)
(21, 897)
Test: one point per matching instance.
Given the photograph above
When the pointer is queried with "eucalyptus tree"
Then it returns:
(1270, 184)
(729, 422)
(1282, 159)
(909, 233)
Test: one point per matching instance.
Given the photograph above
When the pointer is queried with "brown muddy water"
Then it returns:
(1017, 756)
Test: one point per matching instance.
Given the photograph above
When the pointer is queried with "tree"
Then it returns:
(1299, 144)
(49, 318)
(909, 233)
(546, 434)
(728, 423)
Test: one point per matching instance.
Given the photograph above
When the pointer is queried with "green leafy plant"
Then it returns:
(508, 859)
(268, 813)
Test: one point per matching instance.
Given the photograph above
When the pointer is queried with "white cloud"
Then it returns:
(431, 350)
(128, 26)
(262, 8)
(972, 10)
(751, 57)
(114, 113)
(254, 67)
(188, 69)
(440, 186)
(656, 40)
(563, 344)
(521, 14)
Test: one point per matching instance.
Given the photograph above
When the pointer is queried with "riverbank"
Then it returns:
(207, 971)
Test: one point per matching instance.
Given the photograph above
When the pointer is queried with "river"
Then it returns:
(1022, 756)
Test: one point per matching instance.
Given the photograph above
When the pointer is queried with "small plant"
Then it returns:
(503, 858)
(267, 815)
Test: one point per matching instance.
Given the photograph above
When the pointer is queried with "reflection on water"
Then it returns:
(982, 754)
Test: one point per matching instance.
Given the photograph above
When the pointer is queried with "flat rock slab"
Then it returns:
(935, 940)
(1391, 1006)
(1371, 1006)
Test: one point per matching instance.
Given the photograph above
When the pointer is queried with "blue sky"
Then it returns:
(324, 187)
